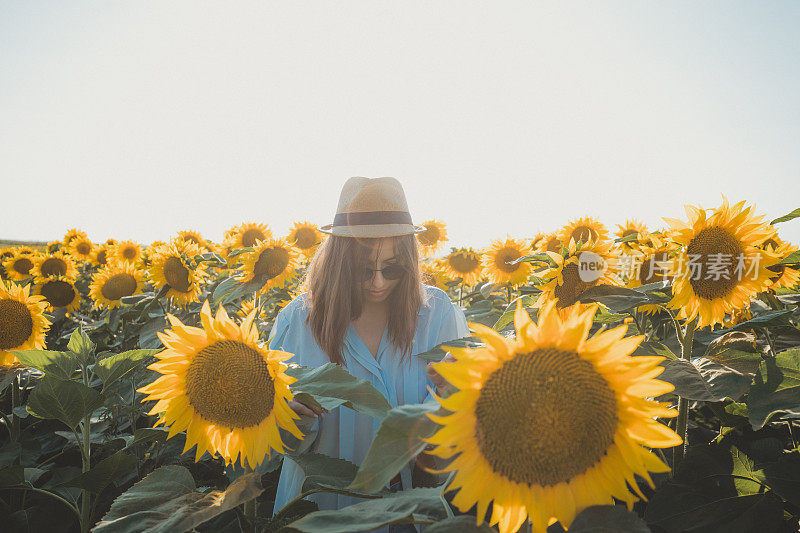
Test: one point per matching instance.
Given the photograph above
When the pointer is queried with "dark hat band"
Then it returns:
(370, 218)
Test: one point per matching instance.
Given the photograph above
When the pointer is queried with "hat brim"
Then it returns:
(372, 231)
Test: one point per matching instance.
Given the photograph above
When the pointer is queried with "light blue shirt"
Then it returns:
(345, 433)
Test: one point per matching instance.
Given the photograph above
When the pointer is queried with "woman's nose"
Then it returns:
(378, 281)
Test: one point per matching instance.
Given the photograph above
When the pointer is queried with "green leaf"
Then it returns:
(147, 335)
(145, 436)
(618, 299)
(119, 365)
(704, 380)
(459, 524)
(608, 519)
(67, 401)
(12, 476)
(655, 348)
(81, 345)
(776, 389)
(783, 476)
(437, 353)
(749, 479)
(791, 259)
(508, 314)
(787, 217)
(9, 453)
(331, 386)
(397, 441)
(325, 472)
(396, 508)
(166, 501)
(534, 258)
(764, 320)
(60, 365)
(104, 472)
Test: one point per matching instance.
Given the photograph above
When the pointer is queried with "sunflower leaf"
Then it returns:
(791, 259)
(787, 217)
(117, 366)
(67, 401)
(508, 314)
(330, 385)
(104, 472)
(437, 353)
(147, 335)
(704, 380)
(776, 389)
(398, 440)
(397, 508)
(167, 500)
(608, 518)
(618, 299)
(459, 524)
(59, 365)
(81, 345)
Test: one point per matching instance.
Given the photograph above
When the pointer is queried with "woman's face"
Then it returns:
(377, 289)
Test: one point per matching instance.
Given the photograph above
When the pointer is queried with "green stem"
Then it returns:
(769, 341)
(15, 401)
(86, 451)
(7, 423)
(250, 507)
(52, 495)
(683, 404)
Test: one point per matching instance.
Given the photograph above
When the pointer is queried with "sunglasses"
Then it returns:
(390, 272)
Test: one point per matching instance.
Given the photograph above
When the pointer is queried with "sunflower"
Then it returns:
(496, 261)
(432, 274)
(5, 253)
(19, 266)
(172, 264)
(549, 243)
(433, 237)
(586, 230)
(113, 282)
(22, 322)
(111, 242)
(53, 246)
(575, 272)
(651, 265)
(464, 263)
(249, 306)
(631, 227)
(71, 235)
(125, 251)
(551, 422)
(536, 240)
(81, 249)
(59, 292)
(53, 264)
(720, 269)
(191, 236)
(784, 276)
(228, 393)
(247, 235)
(306, 237)
(275, 259)
(100, 255)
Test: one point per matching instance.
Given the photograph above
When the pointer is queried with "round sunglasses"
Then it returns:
(390, 272)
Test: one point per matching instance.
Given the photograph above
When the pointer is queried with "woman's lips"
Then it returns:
(376, 294)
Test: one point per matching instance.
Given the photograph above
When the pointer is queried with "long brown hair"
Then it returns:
(336, 298)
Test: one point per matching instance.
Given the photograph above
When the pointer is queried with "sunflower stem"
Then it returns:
(683, 403)
(15, 398)
(86, 450)
(250, 506)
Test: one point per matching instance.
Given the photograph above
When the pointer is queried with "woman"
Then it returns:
(367, 310)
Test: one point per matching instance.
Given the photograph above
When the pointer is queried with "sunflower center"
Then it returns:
(191, 238)
(176, 274)
(53, 266)
(463, 263)
(118, 285)
(305, 238)
(83, 248)
(129, 252)
(271, 262)
(430, 236)
(583, 233)
(250, 237)
(554, 245)
(713, 246)
(545, 417)
(23, 265)
(573, 286)
(16, 324)
(504, 256)
(101, 257)
(650, 271)
(228, 383)
(58, 293)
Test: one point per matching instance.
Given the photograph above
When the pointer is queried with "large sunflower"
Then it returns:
(433, 237)
(172, 264)
(551, 422)
(228, 393)
(306, 237)
(586, 230)
(53, 264)
(22, 322)
(125, 251)
(274, 259)
(112, 283)
(464, 263)
(59, 292)
(19, 266)
(726, 268)
(573, 273)
(496, 259)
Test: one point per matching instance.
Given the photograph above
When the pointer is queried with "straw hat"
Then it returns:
(372, 207)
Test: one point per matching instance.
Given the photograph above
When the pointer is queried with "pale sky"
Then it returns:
(140, 119)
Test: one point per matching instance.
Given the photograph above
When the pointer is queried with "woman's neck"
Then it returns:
(375, 309)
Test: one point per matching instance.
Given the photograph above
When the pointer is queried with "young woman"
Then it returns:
(367, 310)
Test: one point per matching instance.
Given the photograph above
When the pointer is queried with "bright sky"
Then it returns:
(139, 119)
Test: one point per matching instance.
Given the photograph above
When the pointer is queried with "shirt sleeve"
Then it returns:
(454, 326)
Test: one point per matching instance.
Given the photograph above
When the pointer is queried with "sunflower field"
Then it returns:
(638, 379)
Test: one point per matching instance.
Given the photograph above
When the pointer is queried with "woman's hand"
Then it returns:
(307, 410)
(443, 387)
